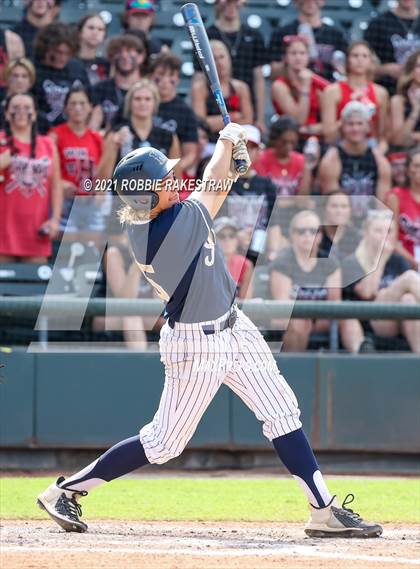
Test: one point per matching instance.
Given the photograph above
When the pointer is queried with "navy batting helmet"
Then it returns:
(132, 173)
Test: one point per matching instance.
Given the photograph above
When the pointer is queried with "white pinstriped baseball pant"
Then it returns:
(197, 364)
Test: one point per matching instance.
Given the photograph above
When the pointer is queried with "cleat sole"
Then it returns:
(348, 533)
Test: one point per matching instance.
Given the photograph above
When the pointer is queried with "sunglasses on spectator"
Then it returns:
(227, 235)
(303, 230)
(287, 40)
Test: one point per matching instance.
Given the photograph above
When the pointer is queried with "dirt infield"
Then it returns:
(199, 545)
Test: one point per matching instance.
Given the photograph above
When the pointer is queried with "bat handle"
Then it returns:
(240, 165)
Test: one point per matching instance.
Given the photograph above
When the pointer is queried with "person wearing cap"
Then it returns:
(250, 204)
(361, 171)
(139, 15)
(240, 268)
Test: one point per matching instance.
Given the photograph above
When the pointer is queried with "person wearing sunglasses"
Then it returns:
(239, 266)
(127, 55)
(298, 274)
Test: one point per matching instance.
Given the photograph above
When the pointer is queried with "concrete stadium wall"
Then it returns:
(369, 403)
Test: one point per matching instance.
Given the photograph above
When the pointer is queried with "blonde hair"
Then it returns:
(21, 62)
(406, 78)
(362, 254)
(137, 86)
(220, 44)
(130, 216)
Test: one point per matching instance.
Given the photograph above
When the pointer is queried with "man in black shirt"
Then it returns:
(247, 50)
(394, 35)
(126, 53)
(323, 39)
(38, 14)
(173, 113)
(56, 73)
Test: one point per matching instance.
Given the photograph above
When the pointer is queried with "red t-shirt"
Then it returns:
(318, 84)
(238, 265)
(79, 155)
(368, 98)
(25, 193)
(409, 221)
(286, 176)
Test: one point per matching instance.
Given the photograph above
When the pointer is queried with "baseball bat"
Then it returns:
(200, 40)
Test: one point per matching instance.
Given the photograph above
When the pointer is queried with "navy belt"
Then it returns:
(211, 328)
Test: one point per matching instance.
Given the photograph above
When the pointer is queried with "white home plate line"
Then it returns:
(294, 551)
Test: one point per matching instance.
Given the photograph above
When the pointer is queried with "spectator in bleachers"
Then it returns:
(30, 187)
(173, 113)
(37, 14)
(298, 274)
(139, 15)
(388, 279)
(79, 149)
(358, 86)
(323, 39)
(297, 91)
(56, 72)
(247, 50)
(236, 94)
(240, 268)
(405, 203)
(287, 169)
(339, 236)
(141, 103)
(91, 35)
(398, 162)
(11, 47)
(250, 205)
(405, 105)
(393, 36)
(126, 55)
(20, 78)
(353, 165)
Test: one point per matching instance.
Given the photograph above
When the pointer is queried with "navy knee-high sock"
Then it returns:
(297, 456)
(122, 458)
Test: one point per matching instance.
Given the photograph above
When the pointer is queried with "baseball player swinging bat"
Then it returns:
(198, 35)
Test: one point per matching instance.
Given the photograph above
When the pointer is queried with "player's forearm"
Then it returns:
(219, 167)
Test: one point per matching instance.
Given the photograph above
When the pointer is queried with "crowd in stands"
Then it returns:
(330, 208)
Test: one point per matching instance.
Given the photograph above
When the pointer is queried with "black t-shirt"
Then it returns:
(328, 39)
(177, 117)
(353, 272)
(111, 99)
(97, 69)
(247, 51)
(393, 39)
(306, 285)
(51, 88)
(341, 249)
(27, 32)
(250, 202)
(158, 138)
(181, 259)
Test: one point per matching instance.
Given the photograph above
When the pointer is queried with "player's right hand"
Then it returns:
(233, 132)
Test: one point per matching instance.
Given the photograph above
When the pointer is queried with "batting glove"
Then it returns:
(240, 152)
(233, 132)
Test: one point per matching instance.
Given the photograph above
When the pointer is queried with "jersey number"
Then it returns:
(210, 244)
(159, 290)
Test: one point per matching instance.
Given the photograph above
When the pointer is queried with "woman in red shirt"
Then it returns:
(405, 203)
(235, 92)
(357, 87)
(80, 150)
(30, 189)
(297, 91)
